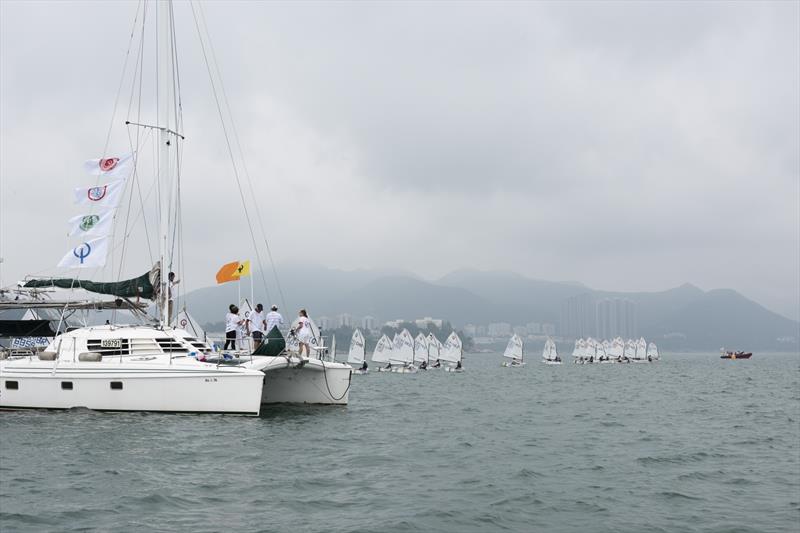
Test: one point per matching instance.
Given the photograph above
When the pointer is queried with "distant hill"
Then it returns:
(684, 317)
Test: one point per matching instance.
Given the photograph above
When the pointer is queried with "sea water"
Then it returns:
(691, 443)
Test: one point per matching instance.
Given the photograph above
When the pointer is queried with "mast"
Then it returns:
(163, 105)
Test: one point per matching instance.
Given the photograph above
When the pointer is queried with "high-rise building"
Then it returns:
(499, 329)
(578, 316)
(616, 317)
(345, 320)
(368, 323)
(323, 322)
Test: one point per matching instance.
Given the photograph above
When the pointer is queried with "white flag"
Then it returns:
(110, 167)
(88, 254)
(91, 225)
(106, 196)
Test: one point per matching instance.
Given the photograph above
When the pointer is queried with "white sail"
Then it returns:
(652, 351)
(630, 349)
(452, 349)
(420, 349)
(403, 350)
(617, 348)
(186, 322)
(514, 348)
(641, 349)
(576, 349)
(383, 350)
(600, 351)
(357, 351)
(550, 352)
(434, 347)
(590, 351)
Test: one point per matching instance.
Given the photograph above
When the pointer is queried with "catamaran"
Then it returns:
(515, 350)
(357, 354)
(155, 366)
(550, 353)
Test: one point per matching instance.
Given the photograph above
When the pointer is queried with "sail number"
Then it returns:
(111, 343)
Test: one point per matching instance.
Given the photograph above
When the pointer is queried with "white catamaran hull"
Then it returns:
(548, 362)
(120, 387)
(512, 365)
(315, 382)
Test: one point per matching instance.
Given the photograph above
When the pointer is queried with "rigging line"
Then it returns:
(244, 164)
(135, 177)
(227, 139)
(121, 81)
(138, 69)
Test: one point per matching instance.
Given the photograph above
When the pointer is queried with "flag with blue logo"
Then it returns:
(90, 253)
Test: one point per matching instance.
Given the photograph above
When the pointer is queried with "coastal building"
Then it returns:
(368, 323)
(499, 329)
(423, 323)
(534, 328)
(616, 317)
(345, 320)
(578, 316)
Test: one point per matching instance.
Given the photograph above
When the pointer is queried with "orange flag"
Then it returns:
(228, 272)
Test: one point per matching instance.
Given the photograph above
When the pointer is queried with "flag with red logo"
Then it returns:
(111, 167)
(106, 196)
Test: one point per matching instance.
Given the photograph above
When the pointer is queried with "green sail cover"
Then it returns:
(140, 287)
(273, 344)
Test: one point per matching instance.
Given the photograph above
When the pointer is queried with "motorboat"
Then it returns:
(736, 355)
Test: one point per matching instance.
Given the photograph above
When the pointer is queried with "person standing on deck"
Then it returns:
(257, 323)
(232, 324)
(304, 333)
(274, 319)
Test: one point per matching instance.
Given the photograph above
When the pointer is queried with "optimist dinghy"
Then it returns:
(550, 353)
(515, 352)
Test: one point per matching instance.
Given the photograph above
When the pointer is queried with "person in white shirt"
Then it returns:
(274, 319)
(232, 323)
(304, 333)
(256, 324)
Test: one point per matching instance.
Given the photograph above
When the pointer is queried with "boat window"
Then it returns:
(109, 346)
(12, 385)
(171, 345)
(66, 385)
(116, 385)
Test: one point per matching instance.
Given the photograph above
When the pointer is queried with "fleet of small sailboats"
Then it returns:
(405, 354)
(589, 351)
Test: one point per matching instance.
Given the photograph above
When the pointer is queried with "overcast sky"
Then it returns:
(629, 146)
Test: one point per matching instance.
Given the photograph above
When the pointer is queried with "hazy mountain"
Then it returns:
(514, 298)
(682, 317)
(723, 317)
